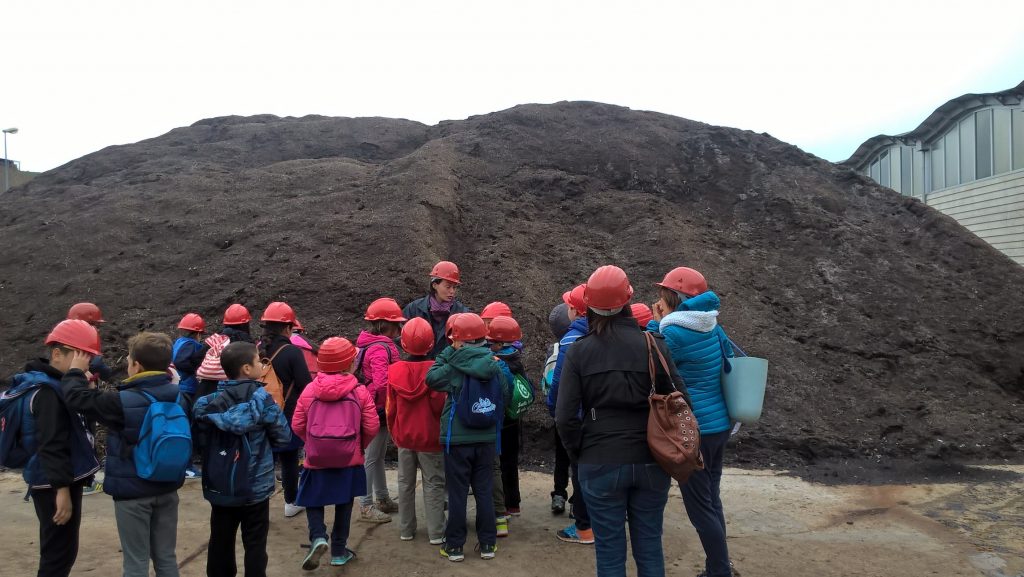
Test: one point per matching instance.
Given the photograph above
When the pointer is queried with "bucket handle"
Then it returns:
(727, 366)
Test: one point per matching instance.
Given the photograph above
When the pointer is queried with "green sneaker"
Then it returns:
(487, 551)
(316, 550)
(345, 557)
(501, 524)
(452, 553)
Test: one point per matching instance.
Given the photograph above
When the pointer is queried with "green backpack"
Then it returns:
(522, 396)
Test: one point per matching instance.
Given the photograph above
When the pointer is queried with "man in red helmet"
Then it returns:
(51, 444)
(439, 304)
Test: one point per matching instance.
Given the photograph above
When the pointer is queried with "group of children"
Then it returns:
(238, 403)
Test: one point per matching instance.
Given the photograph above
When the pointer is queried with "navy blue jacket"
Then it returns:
(187, 355)
(421, 308)
(577, 329)
(123, 412)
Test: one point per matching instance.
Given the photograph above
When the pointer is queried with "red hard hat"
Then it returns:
(417, 337)
(608, 289)
(87, 312)
(496, 309)
(335, 355)
(574, 298)
(278, 312)
(237, 315)
(384, 309)
(297, 326)
(504, 330)
(192, 322)
(445, 270)
(642, 313)
(467, 327)
(77, 334)
(684, 280)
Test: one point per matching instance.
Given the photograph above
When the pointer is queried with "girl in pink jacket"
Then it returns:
(337, 420)
(377, 352)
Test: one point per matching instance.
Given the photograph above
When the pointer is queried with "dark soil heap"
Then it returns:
(892, 332)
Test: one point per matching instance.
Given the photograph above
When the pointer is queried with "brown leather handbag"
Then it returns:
(672, 431)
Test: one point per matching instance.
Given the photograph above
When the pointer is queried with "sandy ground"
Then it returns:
(779, 525)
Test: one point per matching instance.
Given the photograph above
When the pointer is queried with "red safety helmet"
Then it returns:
(504, 330)
(297, 326)
(278, 312)
(335, 355)
(445, 270)
(384, 309)
(87, 312)
(448, 324)
(237, 315)
(642, 313)
(417, 337)
(684, 280)
(77, 334)
(193, 323)
(608, 289)
(496, 309)
(574, 298)
(467, 327)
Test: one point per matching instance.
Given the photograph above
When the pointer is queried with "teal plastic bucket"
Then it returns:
(744, 386)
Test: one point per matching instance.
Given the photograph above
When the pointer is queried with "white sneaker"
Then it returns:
(292, 510)
(438, 541)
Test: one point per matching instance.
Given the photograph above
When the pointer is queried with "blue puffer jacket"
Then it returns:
(696, 341)
(577, 329)
(245, 408)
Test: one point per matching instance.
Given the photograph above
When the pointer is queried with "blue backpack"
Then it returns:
(15, 433)
(164, 449)
(226, 468)
(480, 404)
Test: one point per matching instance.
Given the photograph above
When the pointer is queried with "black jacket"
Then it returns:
(290, 366)
(421, 308)
(607, 376)
(53, 430)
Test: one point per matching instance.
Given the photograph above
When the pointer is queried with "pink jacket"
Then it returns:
(375, 364)
(331, 387)
(307, 352)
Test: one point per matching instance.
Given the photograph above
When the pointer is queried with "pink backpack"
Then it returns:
(333, 433)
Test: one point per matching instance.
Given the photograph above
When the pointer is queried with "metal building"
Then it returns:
(966, 159)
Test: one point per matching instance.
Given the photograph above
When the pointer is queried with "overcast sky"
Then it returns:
(824, 75)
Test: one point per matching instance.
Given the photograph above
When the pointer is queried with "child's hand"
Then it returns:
(64, 509)
(80, 360)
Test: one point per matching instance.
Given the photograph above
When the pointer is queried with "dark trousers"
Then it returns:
(702, 498)
(561, 468)
(579, 504)
(511, 436)
(289, 474)
(339, 533)
(58, 544)
(224, 522)
(465, 466)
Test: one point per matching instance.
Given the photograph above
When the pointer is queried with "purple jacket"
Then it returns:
(375, 364)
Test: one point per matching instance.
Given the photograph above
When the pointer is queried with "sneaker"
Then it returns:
(437, 541)
(191, 474)
(501, 523)
(557, 504)
(573, 535)
(371, 514)
(407, 537)
(387, 505)
(94, 488)
(514, 511)
(291, 510)
(345, 557)
(452, 553)
(486, 551)
(316, 550)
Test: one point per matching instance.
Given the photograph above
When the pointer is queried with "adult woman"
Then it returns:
(440, 304)
(687, 316)
(601, 415)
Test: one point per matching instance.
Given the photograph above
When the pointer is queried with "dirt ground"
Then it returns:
(779, 526)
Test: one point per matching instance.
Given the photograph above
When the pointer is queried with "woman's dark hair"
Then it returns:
(598, 324)
(379, 327)
(272, 329)
(671, 297)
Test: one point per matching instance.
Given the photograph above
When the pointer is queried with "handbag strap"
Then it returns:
(652, 348)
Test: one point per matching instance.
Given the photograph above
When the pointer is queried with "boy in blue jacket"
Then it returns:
(146, 511)
(188, 353)
(239, 414)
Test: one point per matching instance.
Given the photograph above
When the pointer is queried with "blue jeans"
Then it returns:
(614, 493)
(701, 495)
(339, 533)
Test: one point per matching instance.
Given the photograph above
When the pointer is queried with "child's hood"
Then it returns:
(412, 381)
(366, 338)
(474, 361)
(333, 386)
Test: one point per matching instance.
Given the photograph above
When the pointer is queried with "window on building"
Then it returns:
(951, 147)
(938, 162)
(895, 166)
(983, 143)
(1017, 145)
(874, 171)
(968, 150)
(1001, 140)
(884, 169)
(906, 170)
(919, 173)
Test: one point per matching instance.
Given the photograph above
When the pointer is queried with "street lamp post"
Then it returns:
(7, 161)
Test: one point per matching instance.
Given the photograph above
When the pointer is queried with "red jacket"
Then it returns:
(413, 410)
(331, 387)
